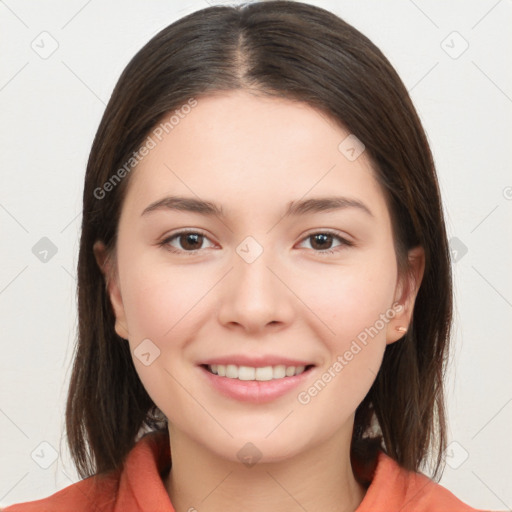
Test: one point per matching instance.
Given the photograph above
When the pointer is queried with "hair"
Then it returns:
(307, 54)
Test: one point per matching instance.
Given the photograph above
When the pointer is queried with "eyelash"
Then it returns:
(326, 252)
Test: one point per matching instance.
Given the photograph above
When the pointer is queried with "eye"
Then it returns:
(189, 240)
(324, 239)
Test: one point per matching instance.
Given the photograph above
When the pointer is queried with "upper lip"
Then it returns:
(256, 362)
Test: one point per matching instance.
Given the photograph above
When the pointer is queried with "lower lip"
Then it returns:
(253, 390)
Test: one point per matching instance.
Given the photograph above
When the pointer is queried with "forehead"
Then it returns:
(251, 152)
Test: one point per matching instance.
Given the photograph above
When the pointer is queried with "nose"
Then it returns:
(255, 296)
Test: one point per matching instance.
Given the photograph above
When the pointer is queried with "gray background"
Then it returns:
(51, 104)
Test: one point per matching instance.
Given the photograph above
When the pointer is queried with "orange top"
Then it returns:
(139, 487)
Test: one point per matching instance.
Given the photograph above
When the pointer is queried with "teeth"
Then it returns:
(250, 373)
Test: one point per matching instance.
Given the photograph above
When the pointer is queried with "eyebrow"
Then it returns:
(294, 208)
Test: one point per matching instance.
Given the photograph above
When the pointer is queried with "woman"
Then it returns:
(264, 281)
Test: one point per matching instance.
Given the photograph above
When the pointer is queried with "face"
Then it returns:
(257, 281)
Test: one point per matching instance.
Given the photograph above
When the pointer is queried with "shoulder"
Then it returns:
(96, 492)
(400, 489)
(137, 481)
(423, 494)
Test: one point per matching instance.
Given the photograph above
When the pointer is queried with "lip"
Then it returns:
(256, 392)
(256, 362)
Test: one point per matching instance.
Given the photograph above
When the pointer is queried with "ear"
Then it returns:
(112, 286)
(405, 295)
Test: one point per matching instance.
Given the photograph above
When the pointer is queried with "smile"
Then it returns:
(255, 384)
(264, 373)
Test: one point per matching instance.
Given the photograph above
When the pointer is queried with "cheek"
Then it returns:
(162, 304)
(168, 306)
(355, 304)
(160, 300)
(350, 298)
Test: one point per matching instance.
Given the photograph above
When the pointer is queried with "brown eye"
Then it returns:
(321, 242)
(184, 242)
(190, 241)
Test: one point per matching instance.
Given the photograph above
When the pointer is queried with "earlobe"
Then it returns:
(112, 287)
(406, 292)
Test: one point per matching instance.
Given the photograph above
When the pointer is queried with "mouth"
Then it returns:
(253, 373)
(256, 384)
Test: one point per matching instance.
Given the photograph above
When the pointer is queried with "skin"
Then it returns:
(253, 155)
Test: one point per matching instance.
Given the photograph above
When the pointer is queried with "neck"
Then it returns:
(319, 479)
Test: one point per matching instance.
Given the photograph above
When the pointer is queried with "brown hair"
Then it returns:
(304, 53)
